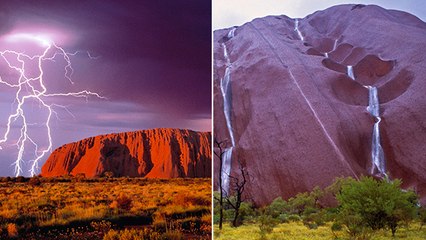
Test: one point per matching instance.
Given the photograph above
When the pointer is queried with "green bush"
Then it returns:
(294, 218)
(375, 204)
(301, 201)
(310, 225)
(266, 224)
(283, 218)
(277, 207)
(316, 218)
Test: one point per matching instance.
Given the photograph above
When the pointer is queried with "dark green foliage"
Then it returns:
(266, 224)
(316, 217)
(283, 218)
(369, 203)
(277, 207)
(294, 218)
(301, 201)
(246, 212)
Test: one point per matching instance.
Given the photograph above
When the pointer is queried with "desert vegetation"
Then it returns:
(104, 208)
(357, 209)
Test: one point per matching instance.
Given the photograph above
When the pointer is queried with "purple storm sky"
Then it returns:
(152, 61)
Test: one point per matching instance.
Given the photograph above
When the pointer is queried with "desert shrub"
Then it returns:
(65, 213)
(101, 226)
(330, 214)
(310, 225)
(124, 202)
(112, 235)
(131, 234)
(301, 201)
(266, 224)
(375, 204)
(247, 211)
(79, 177)
(12, 230)
(294, 218)
(172, 235)
(184, 199)
(228, 214)
(355, 226)
(20, 179)
(277, 207)
(159, 223)
(108, 174)
(206, 224)
(4, 179)
(283, 218)
(34, 181)
(309, 210)
(313, 219)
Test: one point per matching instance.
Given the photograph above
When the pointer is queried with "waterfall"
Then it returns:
(225, 88)
(231, 33)
(335, 45)
(226, 168)
(377, 154)
(296, 28)
(350, 72)
(373, 102)
(334, 48)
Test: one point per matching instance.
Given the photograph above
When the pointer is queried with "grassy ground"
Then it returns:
(297, 231)
(70, 206)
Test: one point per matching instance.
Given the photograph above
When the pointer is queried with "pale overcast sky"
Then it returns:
(227, 13)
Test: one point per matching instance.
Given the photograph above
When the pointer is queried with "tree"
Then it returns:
(237, 183)
(300, 202)
(277, 207)
(375, 204)
(219, 155)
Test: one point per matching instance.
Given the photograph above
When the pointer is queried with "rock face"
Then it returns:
(156, 153)
(299, 119)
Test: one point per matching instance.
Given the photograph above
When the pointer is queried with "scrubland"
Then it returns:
(104, 208)
(363, 209)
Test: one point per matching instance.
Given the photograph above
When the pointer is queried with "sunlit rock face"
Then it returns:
(300, 92)
(156, 153)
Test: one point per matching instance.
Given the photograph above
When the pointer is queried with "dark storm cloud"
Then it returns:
(154, 53)
(153, 61)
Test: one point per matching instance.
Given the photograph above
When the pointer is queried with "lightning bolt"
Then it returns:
(34, 88)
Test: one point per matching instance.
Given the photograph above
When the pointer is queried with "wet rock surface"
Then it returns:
(299, 120)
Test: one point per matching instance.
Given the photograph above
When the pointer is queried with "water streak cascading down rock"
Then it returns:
(377, 154)
(225, 87)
